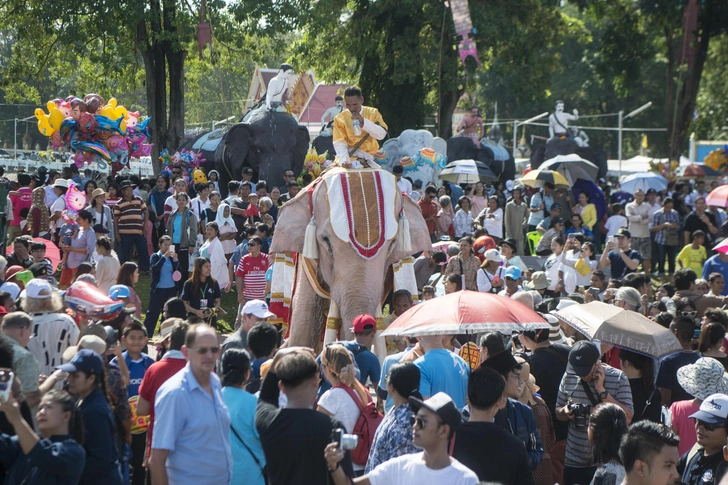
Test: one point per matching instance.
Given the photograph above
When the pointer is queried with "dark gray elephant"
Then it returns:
(463, 148)
(269, 142)
(325, 144)
(566, 146)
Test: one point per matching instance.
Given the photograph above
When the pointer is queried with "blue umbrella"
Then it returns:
(644, 182)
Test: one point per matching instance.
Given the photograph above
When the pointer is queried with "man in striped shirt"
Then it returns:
(251, 272)
(130, 213)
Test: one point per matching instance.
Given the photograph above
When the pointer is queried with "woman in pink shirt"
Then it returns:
(701, 379)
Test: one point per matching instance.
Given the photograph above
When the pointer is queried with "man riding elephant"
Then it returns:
(356, 131)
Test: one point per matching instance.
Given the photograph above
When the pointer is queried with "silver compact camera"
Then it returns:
(346, 442)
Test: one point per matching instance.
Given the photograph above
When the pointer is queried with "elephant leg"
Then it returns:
(333, 324)
(307, 314)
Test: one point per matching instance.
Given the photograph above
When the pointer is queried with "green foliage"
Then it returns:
(712, 122)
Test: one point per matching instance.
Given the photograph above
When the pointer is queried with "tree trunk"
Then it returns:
(175, 57)
(687, 98)
(448, 103)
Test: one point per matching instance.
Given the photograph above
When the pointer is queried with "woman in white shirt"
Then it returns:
(101, 212)
(339, 401)
(463, 221)
(107, 265)
(492, 218)
(212, 249)
(574, 273)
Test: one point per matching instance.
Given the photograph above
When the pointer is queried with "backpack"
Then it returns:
(366, 425)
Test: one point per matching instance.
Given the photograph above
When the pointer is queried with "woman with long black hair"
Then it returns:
(201, 293)
(647, 399)
(57, 455)
(394, 435)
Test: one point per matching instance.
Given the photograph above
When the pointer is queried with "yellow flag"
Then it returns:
(644, 141)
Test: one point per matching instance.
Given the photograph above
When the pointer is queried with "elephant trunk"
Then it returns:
(361, 296)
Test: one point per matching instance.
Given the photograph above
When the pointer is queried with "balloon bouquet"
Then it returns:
(189, 161)
(667, 170)
(97, 132)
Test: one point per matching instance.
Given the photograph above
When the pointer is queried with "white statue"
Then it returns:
(327, 119)
(559, 121)
(277, 87)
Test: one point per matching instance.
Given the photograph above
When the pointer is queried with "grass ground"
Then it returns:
(229, 303)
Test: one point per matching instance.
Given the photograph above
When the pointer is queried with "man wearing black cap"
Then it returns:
(545, 224)
(130, 214)
(492, 452)
(620, 256)
(515, 416)
(586, 384)
(247, 175)
(434, 425)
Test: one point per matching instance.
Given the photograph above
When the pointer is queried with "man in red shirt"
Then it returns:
(159, 372)
(250, 275)
(21, 199)
(429, 209)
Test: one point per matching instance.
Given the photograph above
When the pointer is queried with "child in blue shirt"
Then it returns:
(66, 234)
(135, 340)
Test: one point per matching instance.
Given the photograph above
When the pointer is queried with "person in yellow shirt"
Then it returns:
(371, 127)
(693, 255)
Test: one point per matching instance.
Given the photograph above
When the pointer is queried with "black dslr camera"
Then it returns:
(581, 414)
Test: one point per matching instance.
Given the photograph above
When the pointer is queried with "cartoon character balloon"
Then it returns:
(75, 201)
(88, 301)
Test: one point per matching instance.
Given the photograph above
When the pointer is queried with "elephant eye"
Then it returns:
(328, 244)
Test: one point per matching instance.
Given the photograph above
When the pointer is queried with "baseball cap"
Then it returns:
(557, 220)
(713, 410)
(624, 233)
(493, 255)
(38, 288)
(257, 308)
(85, 360)
(555, 206)
(513, 272)
(582, 357)
(362, 321)
(651, 191)
(442, 405)
(247, 170)
(117, 292)
(502, 362)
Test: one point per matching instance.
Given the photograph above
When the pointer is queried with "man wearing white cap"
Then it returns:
(52, 332)
(708, 465)
(491, 273)
(253, 311)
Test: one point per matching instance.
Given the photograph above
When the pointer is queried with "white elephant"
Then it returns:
(409, 144)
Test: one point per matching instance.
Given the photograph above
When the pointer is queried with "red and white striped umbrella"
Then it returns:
(466, 312)
(718, 197)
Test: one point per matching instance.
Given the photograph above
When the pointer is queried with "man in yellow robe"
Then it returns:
(345, 140)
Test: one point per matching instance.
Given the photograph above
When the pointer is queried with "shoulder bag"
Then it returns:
(255, 458)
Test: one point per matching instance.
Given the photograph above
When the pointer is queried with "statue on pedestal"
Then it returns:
(559, 121)
(277, 88)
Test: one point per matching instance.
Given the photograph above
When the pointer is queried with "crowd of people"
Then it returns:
(162, 397)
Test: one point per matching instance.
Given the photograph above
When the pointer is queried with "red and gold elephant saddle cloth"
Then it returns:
(362, 206)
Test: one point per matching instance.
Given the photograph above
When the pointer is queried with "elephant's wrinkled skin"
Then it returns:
(356, 284)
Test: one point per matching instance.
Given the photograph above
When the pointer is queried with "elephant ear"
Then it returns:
(303, 143)
(233, 150)
(391, 148)
(419, 235)
(293, 218)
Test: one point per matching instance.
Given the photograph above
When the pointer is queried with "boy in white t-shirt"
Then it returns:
(436, 421)
(617, 221)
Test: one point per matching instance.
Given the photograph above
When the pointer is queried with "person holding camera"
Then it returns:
(435, 423)
(587, 384)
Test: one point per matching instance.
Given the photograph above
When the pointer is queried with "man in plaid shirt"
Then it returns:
(666, 226)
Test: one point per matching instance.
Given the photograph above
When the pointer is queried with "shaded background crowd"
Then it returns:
(137, 399)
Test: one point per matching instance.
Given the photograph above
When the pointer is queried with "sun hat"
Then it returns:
(539, 281)
(97, 192)
(510, 242)
(703, 378)
(165, 330)
(126, 183)
(93, 342)
(62, 183)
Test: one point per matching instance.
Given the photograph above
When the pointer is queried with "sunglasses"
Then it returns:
(252, 245)
(709, 427)
(204, 350)
(691, 314)
(415, 421)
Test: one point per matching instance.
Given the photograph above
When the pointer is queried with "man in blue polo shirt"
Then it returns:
(191, 443)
